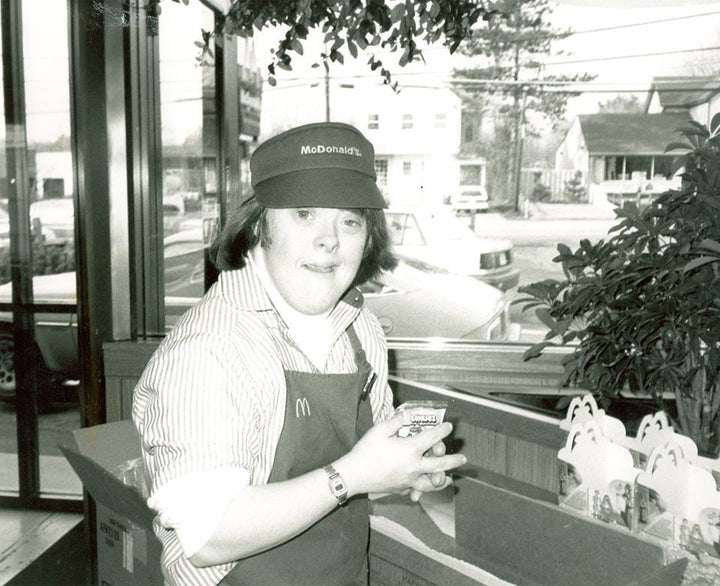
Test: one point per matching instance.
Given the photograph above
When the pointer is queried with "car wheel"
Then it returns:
(7, 365)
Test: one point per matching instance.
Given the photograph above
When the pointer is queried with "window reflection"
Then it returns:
(47, 98)
(189, 150)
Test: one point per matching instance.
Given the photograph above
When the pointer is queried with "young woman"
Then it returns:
(265, 415)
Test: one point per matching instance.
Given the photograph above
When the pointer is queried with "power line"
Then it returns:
(636, 24)
(399, 74)
(634, 56)
(573, 33)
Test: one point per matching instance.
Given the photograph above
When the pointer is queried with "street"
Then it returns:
(534, 246)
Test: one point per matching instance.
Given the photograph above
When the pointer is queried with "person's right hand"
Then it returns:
(382, 462)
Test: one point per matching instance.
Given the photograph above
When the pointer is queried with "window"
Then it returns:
(37, 213)
(520, 231)
(381, 170)
(189, 152)
(471, 174)
(468, 133)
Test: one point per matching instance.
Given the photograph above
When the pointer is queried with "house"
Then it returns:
(415, 132)
(699, 96)
(624, 154)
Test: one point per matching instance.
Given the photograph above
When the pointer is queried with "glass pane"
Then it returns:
(189, 151)
(8, 421)
(531, 170)
(47, 91)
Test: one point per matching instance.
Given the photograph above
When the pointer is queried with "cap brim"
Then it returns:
(320, 188)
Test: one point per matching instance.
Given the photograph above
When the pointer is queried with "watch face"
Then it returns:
(336, 483)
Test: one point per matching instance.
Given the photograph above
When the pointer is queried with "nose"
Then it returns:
(327, 237)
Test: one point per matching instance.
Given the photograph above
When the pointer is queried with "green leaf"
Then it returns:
(710, 245)
(694, 129)
(715, 123)
(435, 9)
(544, 316)
(353, 49)
(677, 146)
(699, 262)
(536, 350)
(397, 12)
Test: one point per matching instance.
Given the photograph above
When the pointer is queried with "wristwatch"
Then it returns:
(336, 484)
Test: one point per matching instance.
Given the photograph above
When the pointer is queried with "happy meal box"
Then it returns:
(654, 431)
(679, 501)
(583, 409)
(597, 475)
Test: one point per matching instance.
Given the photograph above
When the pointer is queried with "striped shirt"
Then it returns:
(212, 397)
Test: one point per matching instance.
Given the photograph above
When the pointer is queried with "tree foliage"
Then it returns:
(352, 26)
(643, 306)
(514, 47)
(620, 105)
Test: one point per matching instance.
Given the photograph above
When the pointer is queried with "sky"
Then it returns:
(625, 42)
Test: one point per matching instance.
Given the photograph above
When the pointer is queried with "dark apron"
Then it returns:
(325, 415)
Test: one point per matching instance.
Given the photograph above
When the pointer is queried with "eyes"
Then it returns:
(348, 218)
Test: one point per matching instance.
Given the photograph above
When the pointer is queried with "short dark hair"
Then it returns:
(248, 227)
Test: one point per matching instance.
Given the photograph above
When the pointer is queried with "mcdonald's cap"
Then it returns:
(324, 164)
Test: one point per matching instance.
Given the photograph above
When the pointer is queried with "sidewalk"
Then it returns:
(571, 211)
(548, 224)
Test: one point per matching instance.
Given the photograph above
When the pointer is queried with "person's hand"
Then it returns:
(438, 480)
(381, 462)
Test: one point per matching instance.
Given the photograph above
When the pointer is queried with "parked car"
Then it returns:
(47, 232)
(4, 229)
(409, 303)
(470, 201)
(438, 240)
(56, 216)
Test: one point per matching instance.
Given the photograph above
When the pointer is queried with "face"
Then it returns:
(314, 255)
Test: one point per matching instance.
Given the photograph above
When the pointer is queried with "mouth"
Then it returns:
(321, 268)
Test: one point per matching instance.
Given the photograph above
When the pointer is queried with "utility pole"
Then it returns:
(520, 104)
(327, 90)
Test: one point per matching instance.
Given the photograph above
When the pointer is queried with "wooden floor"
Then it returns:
(39, 548)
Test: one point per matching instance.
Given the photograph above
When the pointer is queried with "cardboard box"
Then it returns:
(127, 550)
(549, 545)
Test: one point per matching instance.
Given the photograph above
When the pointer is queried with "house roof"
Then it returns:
(684, 91)
(639, 134)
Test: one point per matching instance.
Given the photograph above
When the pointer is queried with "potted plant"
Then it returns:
(642, 307)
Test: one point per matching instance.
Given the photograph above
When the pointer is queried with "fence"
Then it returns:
(550, 185)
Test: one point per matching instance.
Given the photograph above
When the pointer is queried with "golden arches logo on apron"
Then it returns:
(302, 407)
